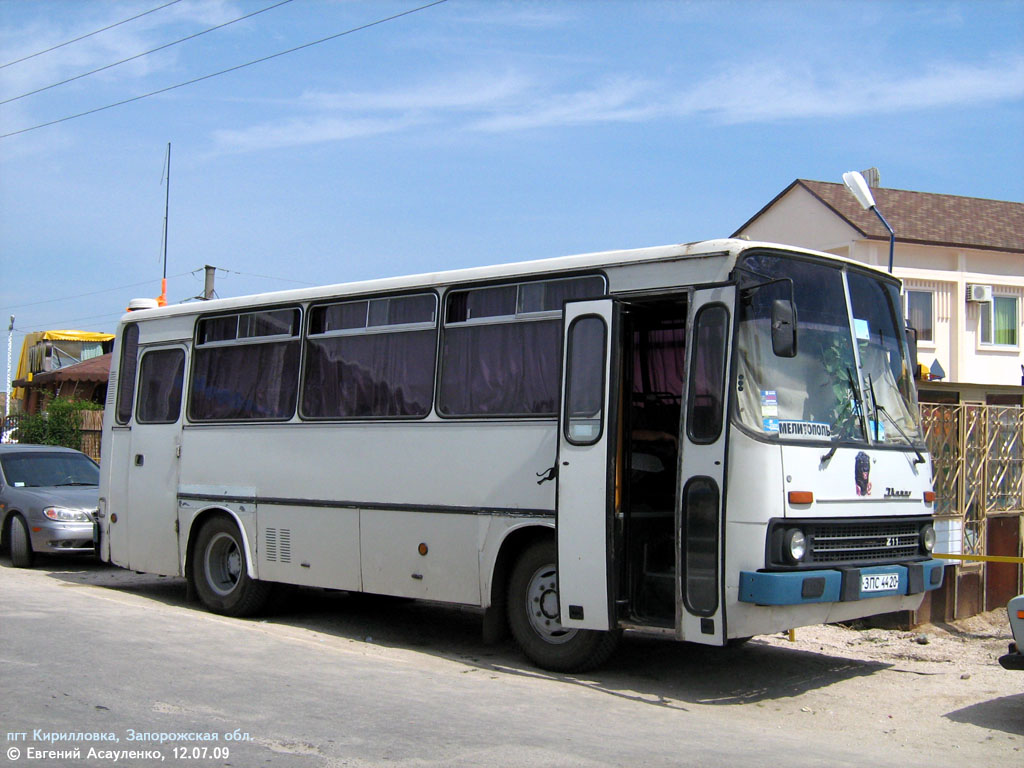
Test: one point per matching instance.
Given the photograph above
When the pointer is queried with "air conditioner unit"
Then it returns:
(979, 292)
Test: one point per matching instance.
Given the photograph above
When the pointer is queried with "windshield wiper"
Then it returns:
(879, 409)
(859, 412)
(62, 485)
(855, 391)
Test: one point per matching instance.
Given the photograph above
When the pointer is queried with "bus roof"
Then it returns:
(725, 249)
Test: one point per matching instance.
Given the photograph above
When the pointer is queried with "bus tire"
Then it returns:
(21, 543)
(219, 571)
(533, 617)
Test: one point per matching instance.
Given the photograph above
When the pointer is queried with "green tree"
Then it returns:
(59, 424)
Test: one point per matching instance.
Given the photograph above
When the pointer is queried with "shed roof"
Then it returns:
(94, 369)
(921, 217)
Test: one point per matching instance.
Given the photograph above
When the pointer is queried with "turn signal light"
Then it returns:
(801, 497)
(1020, 614)
(929, 497)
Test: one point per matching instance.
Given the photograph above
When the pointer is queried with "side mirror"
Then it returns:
(783, 328)
(912, 350)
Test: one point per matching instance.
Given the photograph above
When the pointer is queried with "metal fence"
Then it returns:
(978, 456)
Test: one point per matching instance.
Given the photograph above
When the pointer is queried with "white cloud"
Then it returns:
(615, 101)
(770, 93)
(302, 131)
(510, 102)
(464, 93)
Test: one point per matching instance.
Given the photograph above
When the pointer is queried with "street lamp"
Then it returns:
(860, 190)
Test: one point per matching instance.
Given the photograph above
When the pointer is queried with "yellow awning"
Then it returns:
(31, 339)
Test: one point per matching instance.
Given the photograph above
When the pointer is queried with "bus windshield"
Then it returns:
(849, 380)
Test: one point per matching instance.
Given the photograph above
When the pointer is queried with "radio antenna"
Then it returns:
(162, 300)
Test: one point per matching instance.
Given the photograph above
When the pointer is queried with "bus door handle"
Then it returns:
(548, 474)
(139, 459)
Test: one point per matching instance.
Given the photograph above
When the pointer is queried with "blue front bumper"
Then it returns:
(840, 584)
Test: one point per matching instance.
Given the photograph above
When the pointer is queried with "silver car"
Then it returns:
(1014, 658)
(48, 499)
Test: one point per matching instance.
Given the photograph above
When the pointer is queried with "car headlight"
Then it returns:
(928, 538)
(794, 545)
(65, 515)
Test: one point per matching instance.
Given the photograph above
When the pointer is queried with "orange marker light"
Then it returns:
(929, 497)
(1020, 614)
(801, 497)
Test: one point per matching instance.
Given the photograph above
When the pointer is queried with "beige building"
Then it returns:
(962, 263)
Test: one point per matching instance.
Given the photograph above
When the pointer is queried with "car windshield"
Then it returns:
(48, 470)
(831, 390)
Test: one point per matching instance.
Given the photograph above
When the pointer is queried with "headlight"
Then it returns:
(794, 545)
(64, 515)
(928, 538)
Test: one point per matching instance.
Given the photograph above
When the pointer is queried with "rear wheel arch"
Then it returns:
(512, 547)
(251, 595)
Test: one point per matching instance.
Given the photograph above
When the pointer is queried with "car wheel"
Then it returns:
(21, 543)
(221, 577)
(534, 620)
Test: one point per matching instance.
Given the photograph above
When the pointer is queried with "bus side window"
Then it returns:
(371, 358)
(707, 375)
(126, 373)
(245, 366)
(501, 347)
(160, 380)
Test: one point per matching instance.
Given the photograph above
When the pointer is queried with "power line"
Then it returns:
(225, 71)
(90, 34)
(264, 277)
(145, 53)
(76, 320)
(84, 295)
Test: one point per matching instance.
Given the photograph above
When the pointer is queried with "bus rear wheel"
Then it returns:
(534, 618)
(220, 574)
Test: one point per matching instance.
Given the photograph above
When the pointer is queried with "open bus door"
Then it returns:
(700, 615)
(586, 444)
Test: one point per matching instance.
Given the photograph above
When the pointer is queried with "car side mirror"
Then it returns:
(784, 328)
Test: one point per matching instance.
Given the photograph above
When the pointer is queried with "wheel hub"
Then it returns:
(542, 607)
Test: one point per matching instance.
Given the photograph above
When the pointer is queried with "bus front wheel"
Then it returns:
(534, 618)
(219, 571)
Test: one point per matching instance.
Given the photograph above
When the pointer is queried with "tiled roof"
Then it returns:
(924, 217)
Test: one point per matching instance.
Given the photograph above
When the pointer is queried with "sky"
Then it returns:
(461, 134)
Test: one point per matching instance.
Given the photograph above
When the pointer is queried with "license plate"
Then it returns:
(879, 582)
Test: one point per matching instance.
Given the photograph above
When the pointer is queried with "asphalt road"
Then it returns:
(90, 653)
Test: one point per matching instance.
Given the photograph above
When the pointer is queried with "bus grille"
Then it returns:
(862, 542)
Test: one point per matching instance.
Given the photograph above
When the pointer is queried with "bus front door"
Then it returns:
(153, 461)
(699, 613)
(586, 440)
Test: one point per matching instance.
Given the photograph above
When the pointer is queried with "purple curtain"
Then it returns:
(160, 386)
(248, 381)
(506, 369)
(376, 375)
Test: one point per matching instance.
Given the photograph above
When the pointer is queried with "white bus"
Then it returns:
(708, 441)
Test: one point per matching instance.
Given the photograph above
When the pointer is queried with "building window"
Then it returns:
(920, 315)
(999, 323)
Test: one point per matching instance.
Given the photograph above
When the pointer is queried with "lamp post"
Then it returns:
(7, 386)
(860, 190)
